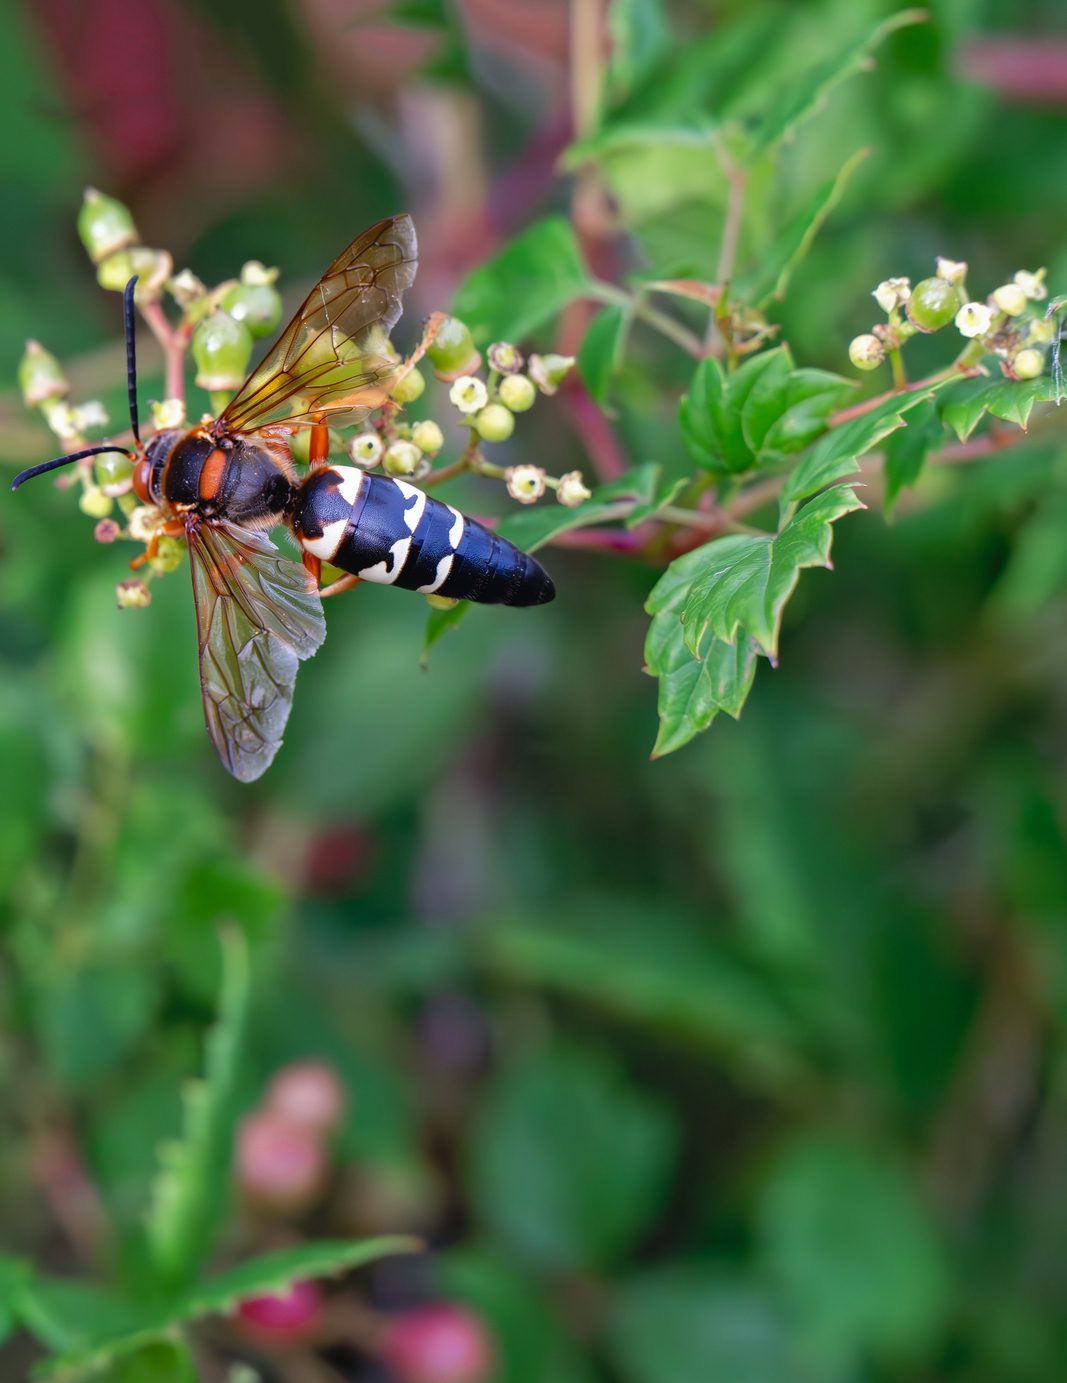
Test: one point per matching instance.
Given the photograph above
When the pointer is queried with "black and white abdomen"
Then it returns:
(390, 532)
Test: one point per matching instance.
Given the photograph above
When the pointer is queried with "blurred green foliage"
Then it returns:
(744, 1064)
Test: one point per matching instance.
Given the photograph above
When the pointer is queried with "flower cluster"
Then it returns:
(1007, 325)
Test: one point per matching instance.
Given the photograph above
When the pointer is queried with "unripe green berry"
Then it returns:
(1028, 364)
(933, 304)
(222, 348)
(866, 352)
(408, 389)
(495, 423)
(259, 306)
(112, 468)
(104, 225)
(168, 556)
(517, 392)
(115, 272)
(401, 458)
(95, 503)
(452, 353)
(427, 436)
(40, 376)
(1011, 299)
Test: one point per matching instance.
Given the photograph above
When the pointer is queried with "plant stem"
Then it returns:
(174, 342)
(667, 326)
(859, 409)
(587, 65)
(900, 379)
(735, 210)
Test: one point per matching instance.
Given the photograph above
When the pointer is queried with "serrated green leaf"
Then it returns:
(710, 413)
(190, 1188)
(963, 405)
(837, 454)
(438, 623)
(812, 396)
(1013, 400)
(749, 579)
(601, 351)
(270, 1273)
(906, 451)
(766, 399)
(770, 279)
(799, 100)
(525, 285)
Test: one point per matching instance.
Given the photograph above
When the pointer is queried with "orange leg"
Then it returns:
(313, 565)
(345, 583)
(319, 447)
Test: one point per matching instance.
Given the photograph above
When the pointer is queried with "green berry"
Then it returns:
(104, 225)
(495, 423)
(95, 503)
(452, 350)
(933, 304)
(517, 392)
(222, 348)
(427, 436)
(408, 389)
(112, 468)
(40, 376)
(259, 306)
(401, 458)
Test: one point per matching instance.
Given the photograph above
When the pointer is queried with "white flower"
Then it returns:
(1028, 364)
(169, 413)
(468, 394)
(892, 293)
(1033, 285)
(973, 319)
(89, 414)
(143, 522)
(366, 449)
(525, 483)
(571, 491)
(955, 270)
(1010, 298)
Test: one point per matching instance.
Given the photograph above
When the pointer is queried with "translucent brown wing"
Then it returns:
(257, 616)
(332, 358)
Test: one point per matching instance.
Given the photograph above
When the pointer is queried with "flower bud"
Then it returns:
(1033, 285)
(495, 423)
(1028, 364)
(409, 388)
(866, 352)
(504, 357)
(152, 267)
(468, 394)
(892, 293)
(92, 413)
(169, 413)
(1041, 331)
(106, 531)
(439, 1343)
(222, 348)
(287, 1316)
(451, 352)
(115, 272)
(973, 319)
(104, 225)
(60, 418)
(571, 491)
(401, 458)
(257, 275)
(308, 1093)
(258, 305)
(112, 468)
(933, 304)
(549, 371)
(95, 503)
(143, 522)
(279, 1164)
(366, 449)
(168, 556)
(517, 393)
(1010, 298)
(133, 594)
(40, 376)
(955, 270)
(185, 288)
(427, 436)
(525, 483)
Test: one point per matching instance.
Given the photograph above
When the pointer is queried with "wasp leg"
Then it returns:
(319, 445)
(345, 583)
(313, 564)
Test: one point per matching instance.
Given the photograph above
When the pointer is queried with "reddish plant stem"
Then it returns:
(174, 342)
(597, 435)
(857, 410)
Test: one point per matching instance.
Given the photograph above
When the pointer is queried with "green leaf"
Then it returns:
(770, 279)
(846, 1237)
(906, 451)
(692, 690)
(747, 581)
(1037, 570)
(710, 414)
(963, 405)
(269, 1274)
(162, 1362)
(799, 100)
(639, 38)
(695, 1325)
(837, 454)
(1013, 400)
(601, 351)
(569, 1162)
(525, 285)
(189, 1192)
(438, 623)
(811, 396)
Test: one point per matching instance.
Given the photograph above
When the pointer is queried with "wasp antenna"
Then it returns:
(62, 461)
(131, 357)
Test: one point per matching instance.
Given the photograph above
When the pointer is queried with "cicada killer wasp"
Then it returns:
(225, 482)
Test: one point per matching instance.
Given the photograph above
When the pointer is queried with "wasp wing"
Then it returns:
(333, 359)
(257, 616)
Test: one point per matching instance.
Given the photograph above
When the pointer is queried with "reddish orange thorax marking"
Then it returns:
(211, 475)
